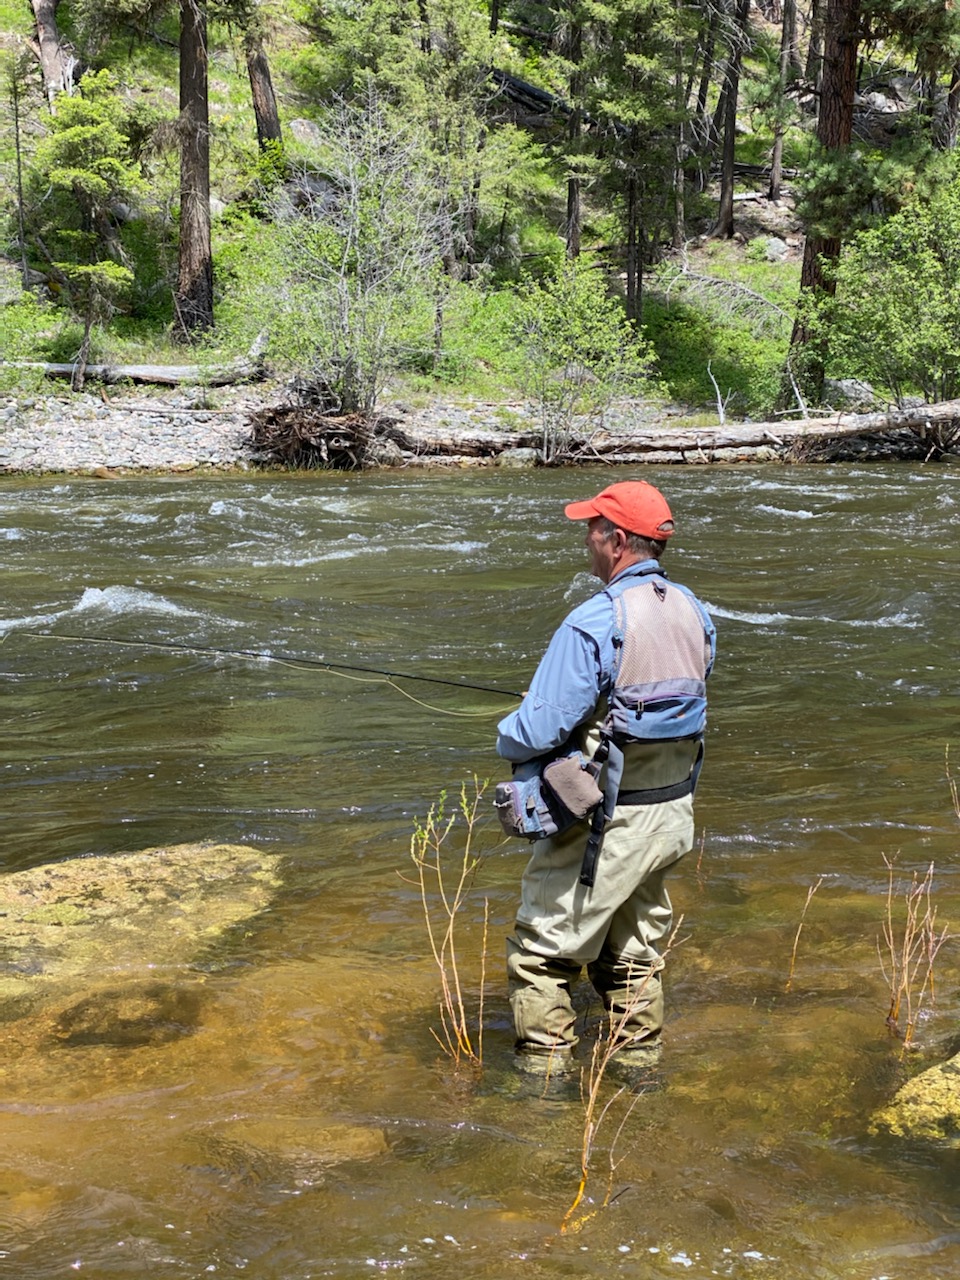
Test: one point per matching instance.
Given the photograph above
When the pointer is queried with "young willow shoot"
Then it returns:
(615, 1110)
(911, 948)
(796, 940)
(444, 878)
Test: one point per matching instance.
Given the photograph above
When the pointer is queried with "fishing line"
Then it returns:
(297, 663)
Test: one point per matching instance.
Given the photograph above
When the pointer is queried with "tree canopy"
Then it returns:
(620, 129)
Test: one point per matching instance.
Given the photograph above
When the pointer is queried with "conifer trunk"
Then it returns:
(834, 131)
(194, 297)
(732, 91)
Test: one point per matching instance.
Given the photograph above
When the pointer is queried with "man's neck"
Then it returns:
(627, 561)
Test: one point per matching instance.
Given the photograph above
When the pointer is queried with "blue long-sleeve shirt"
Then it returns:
(566, 687)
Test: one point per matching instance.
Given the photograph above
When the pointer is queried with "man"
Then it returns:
(644, 647)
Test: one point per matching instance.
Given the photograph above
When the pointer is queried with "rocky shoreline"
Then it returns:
(192, 430)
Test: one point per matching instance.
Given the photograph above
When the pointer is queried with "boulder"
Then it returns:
(67, 923)
(518, 458)
(850, 395)
(293, 1152)
(926, 1108)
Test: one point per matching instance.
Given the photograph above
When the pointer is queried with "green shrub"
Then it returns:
(895, 320)
(687, 339)
(579, 350)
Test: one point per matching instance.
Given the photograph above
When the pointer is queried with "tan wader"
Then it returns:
(615, 928)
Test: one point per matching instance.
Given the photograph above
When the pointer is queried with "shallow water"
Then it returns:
(300, 1121)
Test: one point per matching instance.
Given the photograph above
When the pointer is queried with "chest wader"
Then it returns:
(658, 694)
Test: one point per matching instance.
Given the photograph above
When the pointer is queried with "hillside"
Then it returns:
(476, 152)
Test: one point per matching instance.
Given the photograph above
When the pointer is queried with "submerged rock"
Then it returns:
(926, 1108)
(142, 1013)
(290, 1152)
(125, 915)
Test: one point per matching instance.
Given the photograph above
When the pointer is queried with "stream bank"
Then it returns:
(194, 430)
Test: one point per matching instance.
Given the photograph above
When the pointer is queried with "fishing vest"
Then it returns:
(664, 644)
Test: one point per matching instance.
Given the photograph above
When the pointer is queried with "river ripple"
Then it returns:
(306, 1124)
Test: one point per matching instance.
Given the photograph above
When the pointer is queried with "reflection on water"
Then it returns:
(279, 1106)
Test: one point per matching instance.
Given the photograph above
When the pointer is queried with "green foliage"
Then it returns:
(736, 320)
(928, 32)
(86, 162)
(579, 350)
(356, 272)
(477, 354)
(430, 60)
(895, 320)
(87, 150)
(748, 367)
(98, 287)
(494, 186)
(15, 17)
(23, 324)
(843, 191)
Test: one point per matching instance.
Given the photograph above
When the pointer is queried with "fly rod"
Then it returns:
(289, 658)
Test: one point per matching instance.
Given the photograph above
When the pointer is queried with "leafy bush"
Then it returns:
(24, 325)
(895, 320)
(730, 323)
(579, 350)
(692, 341)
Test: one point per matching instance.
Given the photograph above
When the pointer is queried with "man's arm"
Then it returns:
(563, 694)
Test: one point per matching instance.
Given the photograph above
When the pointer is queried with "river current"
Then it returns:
(305, 1123)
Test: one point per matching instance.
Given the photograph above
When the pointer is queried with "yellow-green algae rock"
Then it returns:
(128, 914)
(926, 1108)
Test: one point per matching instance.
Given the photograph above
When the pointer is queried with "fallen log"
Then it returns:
(299, 436)
(250, 368)
(172, 375)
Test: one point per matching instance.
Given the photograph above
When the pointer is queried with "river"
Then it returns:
(303, 1122)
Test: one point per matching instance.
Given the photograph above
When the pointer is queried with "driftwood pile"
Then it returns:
(303, 437)
(297, 435)
(307, 436)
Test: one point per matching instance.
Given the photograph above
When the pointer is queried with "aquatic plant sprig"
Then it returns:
(444, 885)
(911, 950)
(597, 1114)
(796, 939)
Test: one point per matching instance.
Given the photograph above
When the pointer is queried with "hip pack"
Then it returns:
(545, 800)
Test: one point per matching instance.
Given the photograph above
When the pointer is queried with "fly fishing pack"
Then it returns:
(544, 800)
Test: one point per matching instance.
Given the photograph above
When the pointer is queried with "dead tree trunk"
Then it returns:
(58, 62)
(261, 90)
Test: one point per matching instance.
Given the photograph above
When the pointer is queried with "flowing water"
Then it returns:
(296, 1118)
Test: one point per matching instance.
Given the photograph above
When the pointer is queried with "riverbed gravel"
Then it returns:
(97, 433)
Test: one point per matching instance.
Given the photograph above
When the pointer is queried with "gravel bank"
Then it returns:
(113, 432)
(89, 434)
(181, 431)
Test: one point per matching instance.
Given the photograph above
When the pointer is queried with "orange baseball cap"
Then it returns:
(632, 505)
